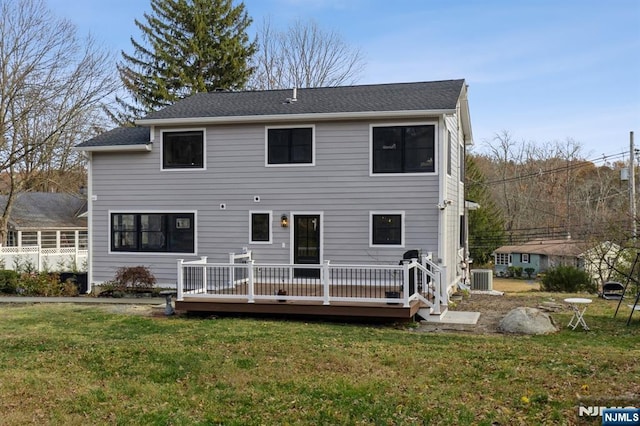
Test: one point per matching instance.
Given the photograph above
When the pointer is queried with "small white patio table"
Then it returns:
(578, 306)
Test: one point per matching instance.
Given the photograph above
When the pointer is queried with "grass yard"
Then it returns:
(73, 364)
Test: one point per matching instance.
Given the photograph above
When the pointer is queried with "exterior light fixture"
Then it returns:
(284, 221)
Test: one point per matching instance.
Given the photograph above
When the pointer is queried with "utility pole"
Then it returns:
(632, 186)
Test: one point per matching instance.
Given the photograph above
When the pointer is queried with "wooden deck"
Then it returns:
(345, 310)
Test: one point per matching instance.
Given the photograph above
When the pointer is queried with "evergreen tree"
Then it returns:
(486, 224)
(189, 46)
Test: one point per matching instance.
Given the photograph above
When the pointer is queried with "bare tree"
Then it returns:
(51, 89)
(304, 55)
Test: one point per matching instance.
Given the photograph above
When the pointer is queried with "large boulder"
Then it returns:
(527, 321)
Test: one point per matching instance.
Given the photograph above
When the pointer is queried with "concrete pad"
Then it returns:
(455, 317)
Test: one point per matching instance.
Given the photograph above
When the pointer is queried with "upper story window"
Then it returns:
(153, 232)
(403, 149)
(290, 146)
(183, 150)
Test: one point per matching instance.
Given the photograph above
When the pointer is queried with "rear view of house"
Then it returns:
(350, 175)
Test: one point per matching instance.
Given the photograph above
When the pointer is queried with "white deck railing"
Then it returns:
(326, 283)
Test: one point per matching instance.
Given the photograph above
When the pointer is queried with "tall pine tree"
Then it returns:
(189, 46)
(486, 225)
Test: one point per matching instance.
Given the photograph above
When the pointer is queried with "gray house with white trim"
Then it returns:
(354, 175)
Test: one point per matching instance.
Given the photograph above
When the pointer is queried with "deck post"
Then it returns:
(232, 270)
(250, 287)
(203, 259)
(444, 295)
(436, 296)
(326, 275)
(405, 284)
(180, 284)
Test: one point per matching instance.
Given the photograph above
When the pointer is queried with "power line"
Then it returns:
(576, 165)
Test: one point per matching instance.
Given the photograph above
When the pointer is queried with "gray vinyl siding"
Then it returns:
(339, 186)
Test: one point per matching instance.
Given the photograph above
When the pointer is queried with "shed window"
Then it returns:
(503, 259)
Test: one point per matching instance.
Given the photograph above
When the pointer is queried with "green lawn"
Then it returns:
(72, 364)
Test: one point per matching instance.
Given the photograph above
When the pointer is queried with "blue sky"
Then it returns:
(544, 70)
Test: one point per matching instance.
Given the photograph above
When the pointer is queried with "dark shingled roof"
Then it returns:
(120, 136)
(424, 96)
(433, 95)
(46, 210)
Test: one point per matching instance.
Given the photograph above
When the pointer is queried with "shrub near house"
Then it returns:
(568, 279)
(36, 284)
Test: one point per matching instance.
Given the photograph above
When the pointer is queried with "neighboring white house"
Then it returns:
(46, 231)
(354, 175)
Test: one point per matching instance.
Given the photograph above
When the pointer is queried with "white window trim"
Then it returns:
(153, 253)
(204, 149)
(522, 256)
(436, 149)
(251, 213)
(402, 231)
(291, 126)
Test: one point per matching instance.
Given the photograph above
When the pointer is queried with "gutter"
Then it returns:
(114, 148)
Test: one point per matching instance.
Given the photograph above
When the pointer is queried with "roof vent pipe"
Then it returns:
(294, 97)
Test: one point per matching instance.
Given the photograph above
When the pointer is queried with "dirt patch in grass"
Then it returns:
(493, 307)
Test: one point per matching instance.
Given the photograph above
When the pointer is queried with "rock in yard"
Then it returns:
(527, 321)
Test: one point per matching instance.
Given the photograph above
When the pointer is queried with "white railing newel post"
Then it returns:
(232, 269)
(180, 283)
(405, 283)
(203, 259)
(326, 276)
(250, 286)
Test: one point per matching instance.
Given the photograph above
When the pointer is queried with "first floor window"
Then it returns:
(261, 227)
(386, 229)
(503, 259)
(153, 232)
(525, 257)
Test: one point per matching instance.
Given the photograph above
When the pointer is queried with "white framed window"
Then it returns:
(152, 232)
(290, 146)
(398, 149)
(260, 227)
(386, 229)
(183, 149)
(503, 259)
(524, 257)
